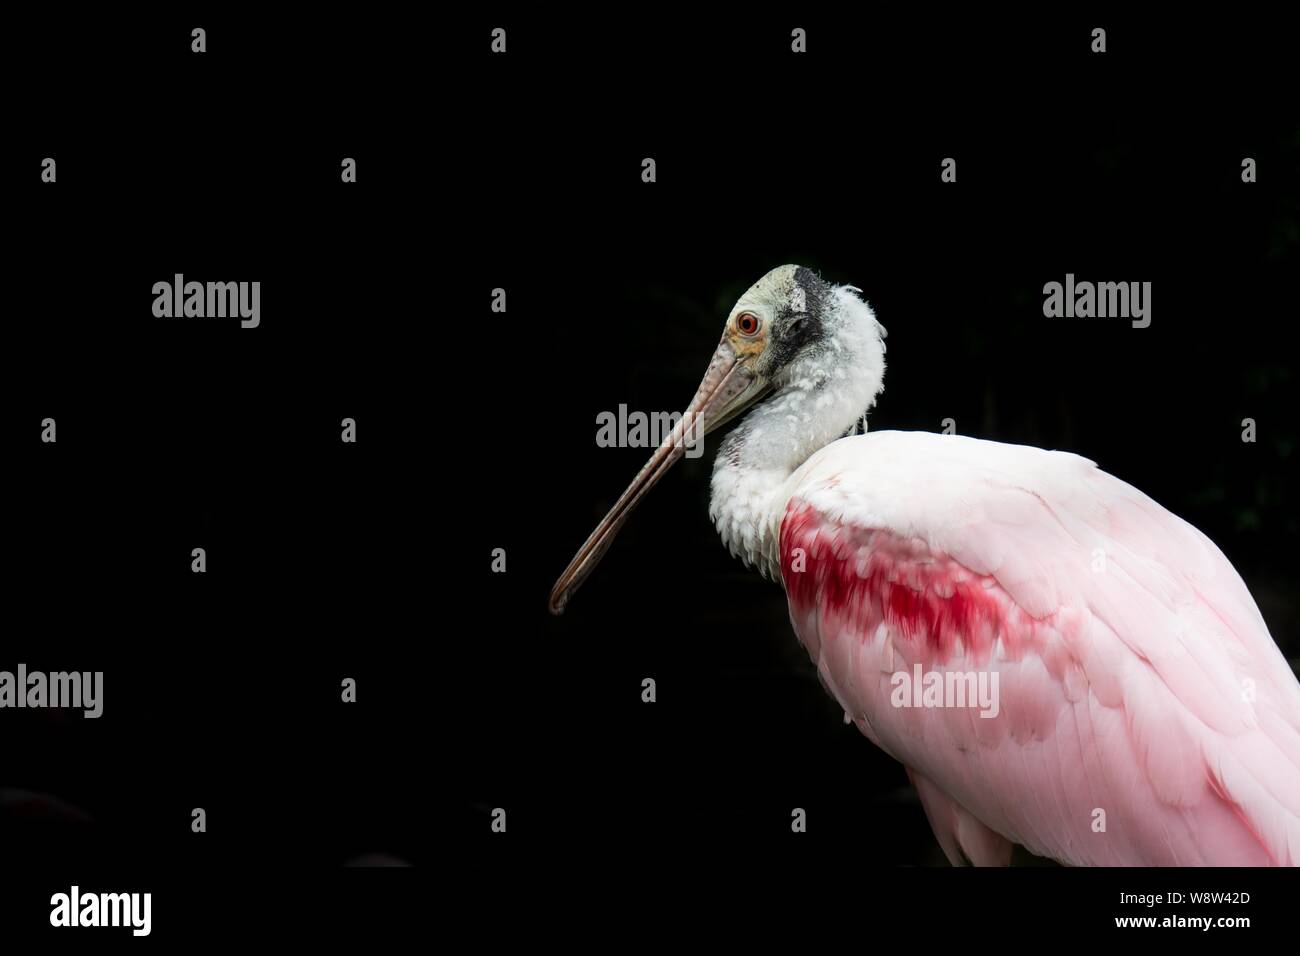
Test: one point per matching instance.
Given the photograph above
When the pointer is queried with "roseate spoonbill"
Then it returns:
(1146, 717)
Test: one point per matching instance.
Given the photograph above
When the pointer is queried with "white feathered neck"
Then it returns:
(819, 397)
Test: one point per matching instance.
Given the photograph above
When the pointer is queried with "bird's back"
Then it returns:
(1145, 715)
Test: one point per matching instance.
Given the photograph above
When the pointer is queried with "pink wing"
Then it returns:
(1145, 715)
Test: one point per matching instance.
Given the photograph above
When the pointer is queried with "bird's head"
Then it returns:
(781, 324)
(778, 333)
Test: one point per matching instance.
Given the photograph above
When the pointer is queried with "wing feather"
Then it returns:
(1138, 683)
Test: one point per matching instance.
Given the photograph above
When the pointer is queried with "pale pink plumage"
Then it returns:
(1136, 675)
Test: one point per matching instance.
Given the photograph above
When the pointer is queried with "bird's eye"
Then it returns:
(747, 323)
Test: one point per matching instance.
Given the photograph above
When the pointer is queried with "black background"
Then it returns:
(476, 430)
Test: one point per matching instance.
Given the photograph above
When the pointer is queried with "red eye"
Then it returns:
(747, 322)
